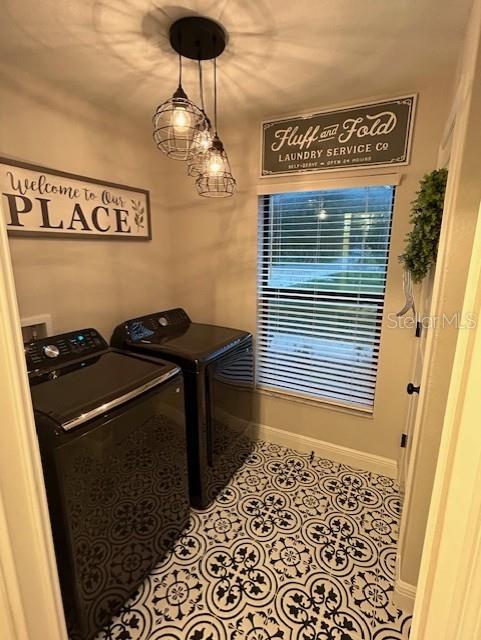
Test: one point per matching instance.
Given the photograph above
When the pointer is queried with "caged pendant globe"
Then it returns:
(202, 143)
(176, 123)
(216, 179)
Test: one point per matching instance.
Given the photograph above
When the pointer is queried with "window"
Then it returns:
(322, 272)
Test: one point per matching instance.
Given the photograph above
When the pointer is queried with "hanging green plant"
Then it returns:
(426, 217)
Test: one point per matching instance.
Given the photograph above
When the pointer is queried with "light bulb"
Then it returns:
(322, 215)
(215, 164)
(180, 119)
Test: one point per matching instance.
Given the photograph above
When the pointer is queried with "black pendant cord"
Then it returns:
(215, 96)
(201, 85)
(180, 59)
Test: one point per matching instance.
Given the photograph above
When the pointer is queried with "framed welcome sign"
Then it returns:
(45, 202)
(375, 134)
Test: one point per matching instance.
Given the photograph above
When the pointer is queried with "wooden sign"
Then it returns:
(376, 134)
(44, 202)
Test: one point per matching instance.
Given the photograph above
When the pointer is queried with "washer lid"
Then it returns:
(88, 389)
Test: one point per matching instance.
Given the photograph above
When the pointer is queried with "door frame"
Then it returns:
(449, 585)
(449, 588)
(452, 148)
(29, 589)
(429, 305)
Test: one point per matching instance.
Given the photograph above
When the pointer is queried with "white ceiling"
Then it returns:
(283, 56)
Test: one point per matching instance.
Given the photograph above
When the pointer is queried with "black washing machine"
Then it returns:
(111, 430)
(218, 367)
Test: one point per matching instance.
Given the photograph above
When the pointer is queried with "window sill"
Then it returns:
(320, 403)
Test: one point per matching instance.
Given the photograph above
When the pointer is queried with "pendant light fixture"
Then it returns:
(215, 179)
(182, 130)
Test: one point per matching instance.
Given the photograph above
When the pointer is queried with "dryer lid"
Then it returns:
(195, 341)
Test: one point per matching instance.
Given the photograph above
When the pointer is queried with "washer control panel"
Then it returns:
(51, 351)
(67, 347)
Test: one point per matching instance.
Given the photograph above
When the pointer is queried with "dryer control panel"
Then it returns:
(67, 347)
(163, 322)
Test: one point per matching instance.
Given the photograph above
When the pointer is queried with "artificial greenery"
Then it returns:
(426, 217)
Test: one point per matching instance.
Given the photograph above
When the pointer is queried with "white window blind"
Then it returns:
(321, 279)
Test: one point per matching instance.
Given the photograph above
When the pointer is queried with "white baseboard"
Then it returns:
(305, 444)
(404, 595)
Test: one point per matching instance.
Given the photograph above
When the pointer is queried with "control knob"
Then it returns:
(51, 351)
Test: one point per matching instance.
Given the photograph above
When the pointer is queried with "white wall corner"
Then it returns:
(344, 455)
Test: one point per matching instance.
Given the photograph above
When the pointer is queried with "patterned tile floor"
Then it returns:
(293, 548)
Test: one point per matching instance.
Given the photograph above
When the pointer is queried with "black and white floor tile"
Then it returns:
(293, 548)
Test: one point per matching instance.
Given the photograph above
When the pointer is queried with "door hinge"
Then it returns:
(404, 440)
(419, 329)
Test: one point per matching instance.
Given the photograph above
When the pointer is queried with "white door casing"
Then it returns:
(449, 587)
(404, 593)
(449, 591)
(27, 560)
(456, 243)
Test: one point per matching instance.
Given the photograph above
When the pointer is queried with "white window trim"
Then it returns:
(325, 403)
(371, 180)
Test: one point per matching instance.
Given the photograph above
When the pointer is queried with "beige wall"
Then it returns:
(85, 282)
(215, 278)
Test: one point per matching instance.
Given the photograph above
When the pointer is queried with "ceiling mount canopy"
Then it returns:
(197, 38)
